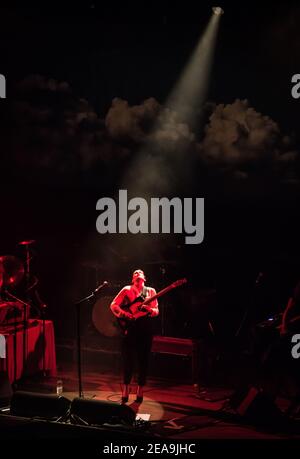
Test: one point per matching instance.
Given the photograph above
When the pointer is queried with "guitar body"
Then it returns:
(134, 309)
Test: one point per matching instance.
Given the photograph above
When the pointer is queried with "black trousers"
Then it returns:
(136, 348)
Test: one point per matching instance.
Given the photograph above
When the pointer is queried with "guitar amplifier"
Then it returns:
(178, 346)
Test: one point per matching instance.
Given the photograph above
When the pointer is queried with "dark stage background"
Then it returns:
(59, 157)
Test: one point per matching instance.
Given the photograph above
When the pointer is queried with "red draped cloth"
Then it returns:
(14, 361)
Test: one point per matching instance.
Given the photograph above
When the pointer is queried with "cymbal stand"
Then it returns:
(25, 305)
(27, 280)
(42, 311)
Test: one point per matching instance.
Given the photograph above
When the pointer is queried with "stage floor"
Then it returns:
(177, 411)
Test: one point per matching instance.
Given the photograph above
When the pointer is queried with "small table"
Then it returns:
(14, 361)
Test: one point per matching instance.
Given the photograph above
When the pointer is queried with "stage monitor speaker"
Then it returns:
(45, 406)
(5, 389)
(256, 406)
(98, 412)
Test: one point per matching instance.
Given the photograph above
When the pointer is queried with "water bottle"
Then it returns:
(59, 387)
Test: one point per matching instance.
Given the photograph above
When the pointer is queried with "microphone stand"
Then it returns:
(42, 311)
(78, 329)
(27, 277)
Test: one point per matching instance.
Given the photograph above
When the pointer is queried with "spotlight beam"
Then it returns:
(191, 90)
(184, 105)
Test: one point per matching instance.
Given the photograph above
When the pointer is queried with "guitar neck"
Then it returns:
(157, 295)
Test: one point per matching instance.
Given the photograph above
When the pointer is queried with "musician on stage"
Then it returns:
(137, 340)
(292, 309)
(290, 325)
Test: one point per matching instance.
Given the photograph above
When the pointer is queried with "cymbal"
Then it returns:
(29, 242)
(11, 271)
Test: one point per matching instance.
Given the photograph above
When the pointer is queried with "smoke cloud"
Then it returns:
(58, 134)
(243, 141)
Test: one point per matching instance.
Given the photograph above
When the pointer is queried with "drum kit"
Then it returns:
(12, 272)
(12, 269)
(14, 312)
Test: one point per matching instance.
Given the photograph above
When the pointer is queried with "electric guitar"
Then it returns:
(139, 306)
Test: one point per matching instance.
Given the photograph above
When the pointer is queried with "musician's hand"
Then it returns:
(151, 312)
(126, 315)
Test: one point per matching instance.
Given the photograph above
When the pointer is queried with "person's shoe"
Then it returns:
(125, 393)
(139, 394)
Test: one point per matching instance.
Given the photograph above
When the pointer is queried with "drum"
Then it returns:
(11, 312)
(103, 319)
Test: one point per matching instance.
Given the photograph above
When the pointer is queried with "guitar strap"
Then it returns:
(142, 297)
(144, 292)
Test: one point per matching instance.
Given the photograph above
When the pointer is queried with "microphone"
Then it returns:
(100, 287)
